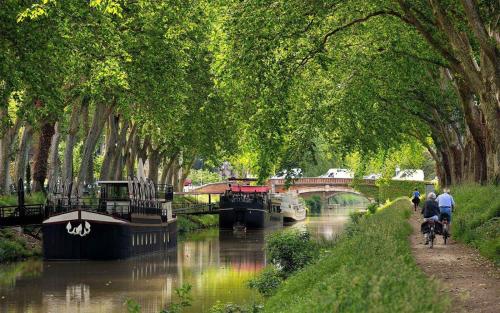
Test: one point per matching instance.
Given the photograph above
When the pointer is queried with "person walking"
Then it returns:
(415, 199)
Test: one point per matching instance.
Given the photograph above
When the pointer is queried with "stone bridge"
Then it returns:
(325, 187)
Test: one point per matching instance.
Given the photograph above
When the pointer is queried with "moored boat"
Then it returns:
(290, 205)
(128, 220)
(248, 206)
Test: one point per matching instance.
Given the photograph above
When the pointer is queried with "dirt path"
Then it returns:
(471, 281)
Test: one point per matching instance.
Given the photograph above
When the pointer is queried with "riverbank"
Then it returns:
(190, 223)
(476, 220)
(15, 246)
(370, 269)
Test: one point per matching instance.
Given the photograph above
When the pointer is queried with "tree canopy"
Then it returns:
(89, 88)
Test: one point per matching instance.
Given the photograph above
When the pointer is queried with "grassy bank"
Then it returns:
(476, 220)
(34, 198)
(370, 269)
(189, 223)
(15, 246)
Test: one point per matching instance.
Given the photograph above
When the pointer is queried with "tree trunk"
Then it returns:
(54, 162)
(23, 152)
(71, 138)
(111, 146)
(132, 144)
(101, 113)
(167, 167)
(154, 164)
(121, 148)
(41, 156)
(6, 147)
(185, 172)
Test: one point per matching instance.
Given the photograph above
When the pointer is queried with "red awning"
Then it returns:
(250, 189)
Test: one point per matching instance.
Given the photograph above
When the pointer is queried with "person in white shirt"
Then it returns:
(446, 204)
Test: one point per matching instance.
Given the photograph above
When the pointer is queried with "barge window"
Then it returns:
(116, 191)
(132, 240)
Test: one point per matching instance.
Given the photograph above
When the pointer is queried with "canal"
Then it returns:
(216, 264)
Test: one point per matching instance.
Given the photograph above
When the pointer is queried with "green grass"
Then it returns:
(189, 223)
(370, 269)
(34, 198)
(14, 247)
(476, 220)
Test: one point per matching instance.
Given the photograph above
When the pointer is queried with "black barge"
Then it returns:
(247, 207)
(127, 220)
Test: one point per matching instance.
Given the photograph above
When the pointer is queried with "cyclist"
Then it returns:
(446, 204)
(430, 211)
(415, 199)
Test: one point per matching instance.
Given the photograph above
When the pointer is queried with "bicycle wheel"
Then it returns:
(445, 233)
(431, 239)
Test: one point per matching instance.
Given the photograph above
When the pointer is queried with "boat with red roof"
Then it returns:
(249, 207)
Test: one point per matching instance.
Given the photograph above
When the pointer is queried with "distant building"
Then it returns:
(373, 176)
(409, 174)
(294, 173)
(339, 173)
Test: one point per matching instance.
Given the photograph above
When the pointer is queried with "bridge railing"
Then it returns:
(319, 181)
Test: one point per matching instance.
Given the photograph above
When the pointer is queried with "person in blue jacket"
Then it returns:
(415, 199)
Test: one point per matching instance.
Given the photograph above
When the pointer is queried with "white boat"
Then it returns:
(290, 205)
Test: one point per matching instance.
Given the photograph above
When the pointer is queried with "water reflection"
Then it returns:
(217, 264)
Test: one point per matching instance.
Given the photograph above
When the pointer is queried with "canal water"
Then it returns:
(216, 264)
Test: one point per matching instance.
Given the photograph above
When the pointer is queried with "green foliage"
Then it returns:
(314, 204)
(368, 270)
(476, 220)
(185, 225)
(372, 208)
(356, 217)
(392, 189)
(267, 281)
(14, 247)
(290, 250)
(235, 308)
(367, 190)
(189, 223)
(184, 299)
(132, 306)
(346, 199)
(203, 176)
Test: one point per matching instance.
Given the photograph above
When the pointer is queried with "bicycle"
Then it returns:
(446, 226)
(432, 233)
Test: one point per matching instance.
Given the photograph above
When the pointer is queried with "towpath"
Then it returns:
(471, 281)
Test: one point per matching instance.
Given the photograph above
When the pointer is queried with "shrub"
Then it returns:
(372, 208)
(290, 250)
(185, 225)
(267, 281)
(14, 247)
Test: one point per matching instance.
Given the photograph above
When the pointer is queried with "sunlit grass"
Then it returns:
(370, 269)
